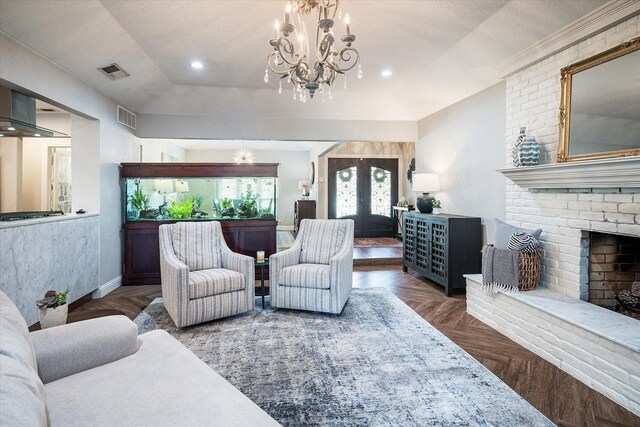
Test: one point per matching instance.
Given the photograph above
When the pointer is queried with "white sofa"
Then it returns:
(101, 373)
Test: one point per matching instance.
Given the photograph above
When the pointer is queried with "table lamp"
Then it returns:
(424, 183)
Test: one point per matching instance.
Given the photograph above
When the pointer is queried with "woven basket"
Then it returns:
(530, 270)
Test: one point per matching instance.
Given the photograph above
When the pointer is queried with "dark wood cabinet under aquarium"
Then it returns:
(241, 197)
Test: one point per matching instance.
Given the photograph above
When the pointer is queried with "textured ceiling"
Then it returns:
(440, 51)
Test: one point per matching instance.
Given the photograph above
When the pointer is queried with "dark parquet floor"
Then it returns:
(563, 399)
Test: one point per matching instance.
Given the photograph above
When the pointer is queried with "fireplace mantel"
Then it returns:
(603, 173)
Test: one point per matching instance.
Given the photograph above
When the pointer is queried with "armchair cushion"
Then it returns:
(321, 240)
(204, 283)
(196, 244)
(306, 276)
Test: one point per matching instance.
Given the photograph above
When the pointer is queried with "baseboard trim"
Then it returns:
(108, 287)
(285, 228)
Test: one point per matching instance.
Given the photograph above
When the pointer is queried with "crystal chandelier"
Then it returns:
(291, 57)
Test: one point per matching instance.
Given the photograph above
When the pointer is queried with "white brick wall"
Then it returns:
(604, 365)
(533, 100)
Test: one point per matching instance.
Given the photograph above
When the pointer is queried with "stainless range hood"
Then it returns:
(18, 116)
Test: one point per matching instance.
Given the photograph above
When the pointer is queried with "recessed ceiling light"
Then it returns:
(11, 128)
(36, 134)
(197, 65)
(386, 73)
(1, 135)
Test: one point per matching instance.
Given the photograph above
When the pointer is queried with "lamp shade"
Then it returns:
(182, 186)
(425, 182)
(303, 183)
(164, 185)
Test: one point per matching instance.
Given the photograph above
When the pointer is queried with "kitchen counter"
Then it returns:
(32, 221)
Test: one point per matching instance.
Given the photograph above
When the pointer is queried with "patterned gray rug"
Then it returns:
(378, 363)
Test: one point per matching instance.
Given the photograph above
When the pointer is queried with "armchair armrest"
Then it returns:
(241, 263)
(285, 258)
(66, 350)
(341, 273)
(174, 277)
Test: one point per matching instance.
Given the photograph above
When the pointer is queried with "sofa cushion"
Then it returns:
(162, 384)
(204, 283)
(22, 395)
(305, 276)
(322, 239)
(196, 244)
(503, 231)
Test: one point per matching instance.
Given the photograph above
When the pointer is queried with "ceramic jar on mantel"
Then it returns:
(525, 151)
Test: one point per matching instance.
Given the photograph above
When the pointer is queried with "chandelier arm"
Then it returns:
(347, 55)
(285, 45)
(281, 72)
(300, 73)
(324, 50)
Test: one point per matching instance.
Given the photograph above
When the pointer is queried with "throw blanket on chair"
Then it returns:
(500, 270)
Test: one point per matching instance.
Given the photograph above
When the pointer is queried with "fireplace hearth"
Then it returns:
(614, 272)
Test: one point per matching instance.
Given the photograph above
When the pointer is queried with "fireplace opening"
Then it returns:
(614, 272)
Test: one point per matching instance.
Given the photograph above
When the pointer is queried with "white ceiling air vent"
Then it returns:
(126, 117)
(114, 71)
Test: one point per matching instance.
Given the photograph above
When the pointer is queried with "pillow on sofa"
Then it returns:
(22, 396)
(503, 231)
(196, 244)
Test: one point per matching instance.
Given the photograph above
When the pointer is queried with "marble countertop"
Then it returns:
(46, 219)
(605, 323)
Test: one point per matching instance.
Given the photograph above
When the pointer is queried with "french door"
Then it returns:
(364, 190)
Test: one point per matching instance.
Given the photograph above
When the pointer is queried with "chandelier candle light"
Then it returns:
(291, 57)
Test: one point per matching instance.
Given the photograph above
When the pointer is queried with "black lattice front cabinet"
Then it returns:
(442, 247)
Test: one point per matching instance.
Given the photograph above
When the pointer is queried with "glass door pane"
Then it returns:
(380, 196)
(347, 192)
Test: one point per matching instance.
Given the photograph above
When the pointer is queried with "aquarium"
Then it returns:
(199, 198)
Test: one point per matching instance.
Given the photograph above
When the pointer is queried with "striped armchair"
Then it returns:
(202, 279)
(315, 274)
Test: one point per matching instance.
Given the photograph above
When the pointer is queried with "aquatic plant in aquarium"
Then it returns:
(223, 198)
(180, 210)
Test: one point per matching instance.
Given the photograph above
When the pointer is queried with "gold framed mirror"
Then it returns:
(600, 105)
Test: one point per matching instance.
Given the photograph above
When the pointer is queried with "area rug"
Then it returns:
(376, 242)
(376, 364)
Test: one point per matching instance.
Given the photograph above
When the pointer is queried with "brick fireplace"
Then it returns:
(600, 204)
(614, 265)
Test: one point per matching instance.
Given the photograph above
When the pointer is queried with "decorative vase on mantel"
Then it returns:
(50, 317)
(525, 151)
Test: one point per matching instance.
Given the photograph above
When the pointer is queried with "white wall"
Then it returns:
(294, 166)
(99, 145)
(201, 127)
(35, 171)
(463, 145)
(10, 174)
(152, 150)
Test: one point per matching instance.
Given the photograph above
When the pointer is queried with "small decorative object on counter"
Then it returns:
(260, 256)
(436, 207)
(305, 187)
(526, 151)
(53, 309)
